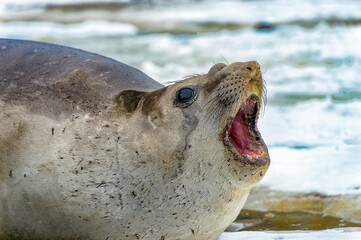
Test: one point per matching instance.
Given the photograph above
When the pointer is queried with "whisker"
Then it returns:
(211, 127)
(264, 97)
(211, 112)
(210, 101)
(225, 59)
(191, 76)
(210, 117)
(167, 83)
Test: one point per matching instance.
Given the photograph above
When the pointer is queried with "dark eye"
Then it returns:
(186, 94)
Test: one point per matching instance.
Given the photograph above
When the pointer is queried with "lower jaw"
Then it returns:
(252, 155)
(248, 147)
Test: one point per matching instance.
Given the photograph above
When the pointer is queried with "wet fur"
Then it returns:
(87, 154)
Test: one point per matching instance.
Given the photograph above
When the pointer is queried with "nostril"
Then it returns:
(249, 69)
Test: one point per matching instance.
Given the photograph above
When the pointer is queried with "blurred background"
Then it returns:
(310, 55)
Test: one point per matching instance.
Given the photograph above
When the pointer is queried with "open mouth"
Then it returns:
(243, 133)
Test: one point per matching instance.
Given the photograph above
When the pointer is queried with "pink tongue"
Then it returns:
(238, 135)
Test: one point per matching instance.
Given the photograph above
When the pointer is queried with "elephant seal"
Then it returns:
(91, 148)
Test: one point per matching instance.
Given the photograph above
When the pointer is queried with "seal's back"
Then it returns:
(55, 80)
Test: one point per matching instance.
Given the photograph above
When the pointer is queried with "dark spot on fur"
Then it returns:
(127, 101)
(151, 102)
(9, 146)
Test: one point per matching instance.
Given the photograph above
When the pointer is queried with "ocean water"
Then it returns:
(309, 52)
(314, 235)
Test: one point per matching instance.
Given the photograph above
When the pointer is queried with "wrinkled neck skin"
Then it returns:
(191, 185)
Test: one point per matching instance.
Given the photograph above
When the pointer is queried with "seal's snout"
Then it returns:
(241, 93)
(255, 73)
(251, 70)
(252, 66)
(237, 92)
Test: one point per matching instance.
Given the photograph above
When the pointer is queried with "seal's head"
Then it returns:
(208, 119)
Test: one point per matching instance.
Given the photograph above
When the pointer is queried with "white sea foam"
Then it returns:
(289, 79)
(31, 30)
(334, 234)
(312, 124)
(29, 4)
(304, 63)
(314, 146)
(248, 11)
(281, 52)
(222, 11)
(325, 170)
